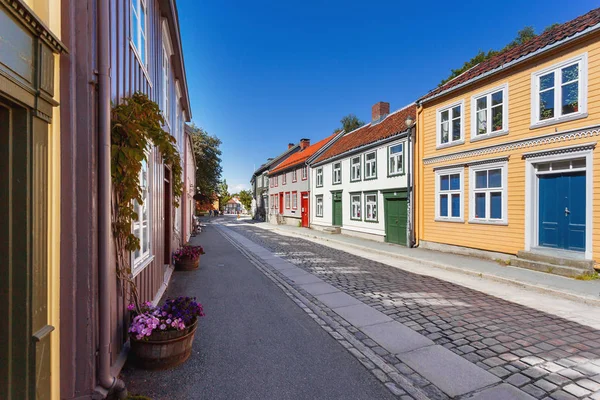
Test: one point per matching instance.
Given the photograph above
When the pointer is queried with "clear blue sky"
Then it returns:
(262, 74)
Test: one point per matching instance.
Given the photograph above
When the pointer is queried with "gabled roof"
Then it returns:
(393, 124)
(557, 34)
(300, 157)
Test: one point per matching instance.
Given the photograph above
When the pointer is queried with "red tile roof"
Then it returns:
(393, 124)
(552, 36)
(303, 155)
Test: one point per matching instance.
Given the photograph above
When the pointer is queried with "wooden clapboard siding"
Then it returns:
(510, 238)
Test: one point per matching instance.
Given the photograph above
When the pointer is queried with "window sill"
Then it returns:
(142, 66)
(452, 144)
(455, 220)
(396, 174)
(355, 219)
(370, 179)
(488, 136)
(355, 180)
(372, 221)
(487, 222)
(338, 183)
(141, 265)
(554, 121)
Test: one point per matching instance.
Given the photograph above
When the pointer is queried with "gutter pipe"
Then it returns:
(409, 178)
(108, 383)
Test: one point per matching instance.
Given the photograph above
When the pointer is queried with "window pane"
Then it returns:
(456, 129)
(134, 27)
(456, 112)
(479, 205)
(444, 182)
(355, 160)
(482, 103)
(142, 49)
(547, 104)
(570, 98)
(570, 73)
(495, 176)
(481, 179)
(371, 156)
(481, 122)
(443, 205)
(579, 163)
(392, 164)
(444, 115)
(455, 182)
(396, 149)
(497, 118)
(547, 81)
(444, 132)
(496, 98)
(146, 244)
(456, 205)
(496, 205)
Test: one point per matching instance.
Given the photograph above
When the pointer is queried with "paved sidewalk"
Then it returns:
(540, 353)
(586, 291)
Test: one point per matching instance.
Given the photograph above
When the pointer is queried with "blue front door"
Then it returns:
(562, 211)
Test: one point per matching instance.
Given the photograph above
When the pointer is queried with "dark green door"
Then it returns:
(337, 208)
(395, 220)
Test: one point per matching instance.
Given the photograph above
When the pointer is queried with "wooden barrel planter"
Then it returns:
(162, 350)
(187, 264)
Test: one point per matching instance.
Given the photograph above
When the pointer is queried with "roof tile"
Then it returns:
(303, 155)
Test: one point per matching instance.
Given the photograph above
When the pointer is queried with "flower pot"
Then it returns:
(163, 350)
(187, 264)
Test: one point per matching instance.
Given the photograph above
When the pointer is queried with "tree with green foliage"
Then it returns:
(208, 160)
(523, 36)
(349, 123)
(223, 193)
(245, 197)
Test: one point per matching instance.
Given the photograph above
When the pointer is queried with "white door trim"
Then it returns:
(532, 201)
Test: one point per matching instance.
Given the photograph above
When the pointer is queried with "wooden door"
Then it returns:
(304, 209)
(337, 219)
(396, 217)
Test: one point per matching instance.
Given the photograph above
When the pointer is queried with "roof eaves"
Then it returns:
(424, 99)
(325, 147)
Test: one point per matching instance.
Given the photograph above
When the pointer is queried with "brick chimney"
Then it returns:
(304, 143)
(380, 110)
(290, 145)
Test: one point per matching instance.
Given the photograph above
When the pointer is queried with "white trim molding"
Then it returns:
(449, 192)
(531, 191)
(438, 132)
(488, 110)
(487, 192)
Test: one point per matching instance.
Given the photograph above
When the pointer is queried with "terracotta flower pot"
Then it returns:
(163, 350)
(187, 264)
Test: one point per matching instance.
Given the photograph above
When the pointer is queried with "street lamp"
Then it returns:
(410, 122)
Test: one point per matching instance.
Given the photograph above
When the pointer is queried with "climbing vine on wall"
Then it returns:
(136, 128)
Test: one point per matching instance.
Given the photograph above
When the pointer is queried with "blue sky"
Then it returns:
(262, 74)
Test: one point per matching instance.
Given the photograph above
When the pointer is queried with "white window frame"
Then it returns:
(136, 37)
(449, 171)
(399, 165)
(371, 204)
(353, 215)
(319, 181)
(140, 262)
(337, 173)
(503, 167)
(582, 60)
(284, 179)
(368, 173)
(304, 173)
(438, 129)
(166, 86)
(319, 207)
(294, 200)
(355, 167)
(287, 200)
(295, 175)
(475, 135)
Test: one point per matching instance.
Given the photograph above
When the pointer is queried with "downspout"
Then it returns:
(309, 192)
(411, 206)
(108, 383)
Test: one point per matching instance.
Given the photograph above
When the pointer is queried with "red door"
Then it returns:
(304, 210)
(281, 203)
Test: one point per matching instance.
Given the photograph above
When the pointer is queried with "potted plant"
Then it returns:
(162, 337)
(187, 257)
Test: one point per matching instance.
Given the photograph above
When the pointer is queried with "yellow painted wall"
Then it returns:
(511, 238)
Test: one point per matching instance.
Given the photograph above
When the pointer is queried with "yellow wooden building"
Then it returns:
(507, 156)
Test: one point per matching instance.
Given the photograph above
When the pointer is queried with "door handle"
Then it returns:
(567, 212)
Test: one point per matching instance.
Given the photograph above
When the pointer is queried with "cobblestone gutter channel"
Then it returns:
(543, 355)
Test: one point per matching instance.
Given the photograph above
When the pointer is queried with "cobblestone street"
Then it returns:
(542, 354)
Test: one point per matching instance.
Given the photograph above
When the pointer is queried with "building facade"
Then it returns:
(189, 185)
(117, 48)
(289, 189)
(30, 93)
(508, 150)
(359, 185)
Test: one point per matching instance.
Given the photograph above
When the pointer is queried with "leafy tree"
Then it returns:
(349, 123)
(246, 199)
(223, 193)
(208, 160)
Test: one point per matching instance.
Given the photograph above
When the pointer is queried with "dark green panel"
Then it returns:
(395, 220)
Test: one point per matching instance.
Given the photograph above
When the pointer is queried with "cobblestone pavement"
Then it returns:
(543, 355)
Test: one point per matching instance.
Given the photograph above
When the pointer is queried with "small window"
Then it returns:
(490, 113)
(294, 200)
(560, 91)
(396, 159)
(337, 173)
(304, 173)
(138, 28)
(166, 85)
(355, 211)
(320, 177)
(371, 165)
(141, 226)
(450, 125)
(277, 181)
(488, 193)
(319, 205)
(294, 175)
(284, 179)
(355, 169)
(287, 200)
(449, 194)
(371, 207)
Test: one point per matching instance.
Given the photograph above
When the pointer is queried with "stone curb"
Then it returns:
(538, 288)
